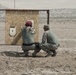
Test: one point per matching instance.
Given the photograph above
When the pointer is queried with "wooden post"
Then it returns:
(48, 16)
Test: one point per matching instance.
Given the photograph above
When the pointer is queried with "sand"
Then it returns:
(13, 62)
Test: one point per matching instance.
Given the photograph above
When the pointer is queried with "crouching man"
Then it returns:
(49, 42)
(28, 33)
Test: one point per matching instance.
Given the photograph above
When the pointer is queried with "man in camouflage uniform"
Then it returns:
(28, 39)
(49, 41)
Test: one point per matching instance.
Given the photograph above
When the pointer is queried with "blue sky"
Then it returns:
(39, 4)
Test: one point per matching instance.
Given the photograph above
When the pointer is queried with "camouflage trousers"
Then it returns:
(49, 48)
(34, 46)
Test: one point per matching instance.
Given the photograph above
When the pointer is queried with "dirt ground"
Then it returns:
(14, 63)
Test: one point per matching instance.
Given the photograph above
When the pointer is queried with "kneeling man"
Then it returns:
(49, 41)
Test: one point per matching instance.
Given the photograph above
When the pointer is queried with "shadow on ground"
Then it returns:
(12, 54)
(16, 54)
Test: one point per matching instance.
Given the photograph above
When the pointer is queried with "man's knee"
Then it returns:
(37, 50)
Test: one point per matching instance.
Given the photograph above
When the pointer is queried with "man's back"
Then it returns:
(27, 35)
(49, 37)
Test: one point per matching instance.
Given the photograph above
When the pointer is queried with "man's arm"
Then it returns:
(44, 38)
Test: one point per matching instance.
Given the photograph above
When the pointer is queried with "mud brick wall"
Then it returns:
(18, 18)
